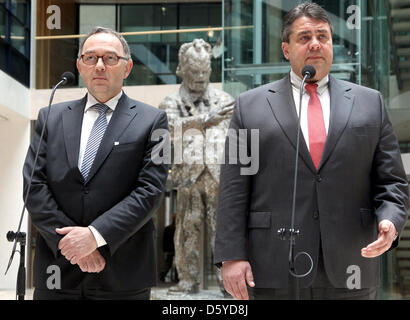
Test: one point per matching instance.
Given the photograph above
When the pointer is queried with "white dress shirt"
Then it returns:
(90, 115)
(324, 97)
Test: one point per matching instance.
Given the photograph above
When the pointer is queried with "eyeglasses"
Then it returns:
(109, 59)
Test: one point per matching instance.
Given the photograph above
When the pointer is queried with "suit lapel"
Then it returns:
(341, 103)
(72, 119)
(278, 97)
(121, 118)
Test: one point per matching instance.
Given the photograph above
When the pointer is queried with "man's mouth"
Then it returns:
(314, 58)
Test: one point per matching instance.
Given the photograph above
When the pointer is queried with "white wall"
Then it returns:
(14, 95)
(14, 140)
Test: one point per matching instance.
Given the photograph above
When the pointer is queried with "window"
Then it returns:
(15, 39)
(155, 56)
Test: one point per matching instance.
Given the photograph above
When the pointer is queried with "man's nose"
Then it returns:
(100, 64)
(314, 44)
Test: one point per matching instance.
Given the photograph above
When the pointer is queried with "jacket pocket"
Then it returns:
(261, 220)
(365, 130)
(125, 147)
(368, 217)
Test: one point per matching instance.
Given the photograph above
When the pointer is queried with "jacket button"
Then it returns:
(318, 178)
(86, 191)
(315, 214)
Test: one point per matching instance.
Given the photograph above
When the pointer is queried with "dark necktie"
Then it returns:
(94, 140)
(316, 125)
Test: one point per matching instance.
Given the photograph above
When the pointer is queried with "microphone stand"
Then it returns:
(290, 234)
(20, 237)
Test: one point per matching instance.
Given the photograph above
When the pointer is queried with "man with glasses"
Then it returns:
(96, 186)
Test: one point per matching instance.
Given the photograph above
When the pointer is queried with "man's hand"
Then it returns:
(94, 262)
(387, 232)
(235, 275)
(77, 243)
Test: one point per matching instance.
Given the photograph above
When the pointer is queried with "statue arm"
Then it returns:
(181, 122)
(200, 122)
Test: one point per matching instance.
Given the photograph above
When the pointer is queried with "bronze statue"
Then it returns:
(198, 118)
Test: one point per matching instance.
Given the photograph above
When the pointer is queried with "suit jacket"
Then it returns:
(360, 181)
(119, 197)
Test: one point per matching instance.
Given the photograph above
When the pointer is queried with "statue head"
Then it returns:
(194, 66)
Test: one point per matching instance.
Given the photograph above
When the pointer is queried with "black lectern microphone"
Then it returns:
(20, 237)
(68, 78)
(308, 72)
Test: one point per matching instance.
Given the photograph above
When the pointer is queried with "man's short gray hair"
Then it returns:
(306, 9)
(127, 51)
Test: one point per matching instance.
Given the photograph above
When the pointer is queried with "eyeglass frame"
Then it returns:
(98, 58)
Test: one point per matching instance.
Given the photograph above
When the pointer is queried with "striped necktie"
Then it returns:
(94, 140)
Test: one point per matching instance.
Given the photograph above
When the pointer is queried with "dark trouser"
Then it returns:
(44, 294)
(321, 289)
(313, 294)
(169, 261)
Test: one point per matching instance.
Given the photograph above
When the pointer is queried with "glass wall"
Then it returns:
(154, 31)
(15, 39)
(156, 55)
(371, 45)
(252, 39)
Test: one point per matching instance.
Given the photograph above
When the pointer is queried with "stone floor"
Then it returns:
(157, 293)
(161, 293)
(11, 295)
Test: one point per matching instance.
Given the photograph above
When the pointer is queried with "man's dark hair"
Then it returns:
(306, 9)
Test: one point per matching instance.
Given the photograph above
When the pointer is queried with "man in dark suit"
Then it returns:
(352, 190)
(96, 185)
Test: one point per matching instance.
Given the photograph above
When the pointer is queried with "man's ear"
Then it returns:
(285, 50)
(78, 65)
(128, 68)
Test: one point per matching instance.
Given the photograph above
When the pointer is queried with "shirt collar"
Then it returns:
(297, 81)
(112, 103)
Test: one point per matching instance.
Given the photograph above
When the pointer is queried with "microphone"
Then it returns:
(68, 78)
(308, 72)
(20, 237)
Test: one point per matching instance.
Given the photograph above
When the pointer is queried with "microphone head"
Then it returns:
(68, 78)
(308, 70)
